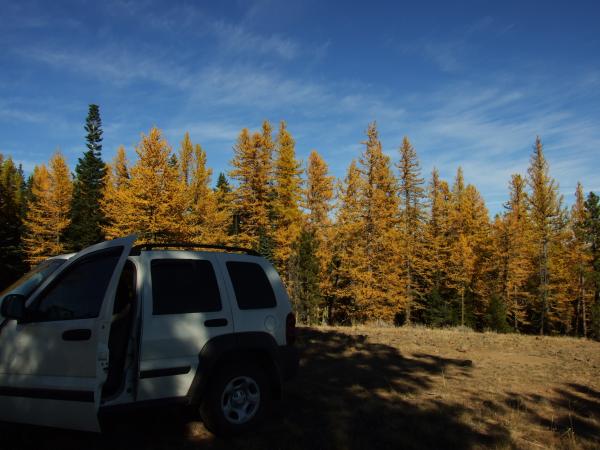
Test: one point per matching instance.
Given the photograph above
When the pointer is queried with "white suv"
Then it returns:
(117, 326)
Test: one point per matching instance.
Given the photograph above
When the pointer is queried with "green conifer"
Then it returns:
(86, 214)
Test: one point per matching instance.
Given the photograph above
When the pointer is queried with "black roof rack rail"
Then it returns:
(135, 250)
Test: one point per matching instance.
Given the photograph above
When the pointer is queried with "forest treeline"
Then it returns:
(384, 244)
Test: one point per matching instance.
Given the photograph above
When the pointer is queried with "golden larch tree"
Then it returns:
(469, 247)
(437, 234)
(207, 222)
(48, 212)
(513, 252)
(547, 219)
(341, 289)
(411, 232)
(319, 191)
(579, 259)
(186, 154)
(252, 168)
(378, 292)
(152, 202)
(318, 195)
(115, 191)
(287, 196)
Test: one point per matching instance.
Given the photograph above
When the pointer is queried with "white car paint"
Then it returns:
(33, 356)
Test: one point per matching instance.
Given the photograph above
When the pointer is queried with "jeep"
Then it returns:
(117, 326)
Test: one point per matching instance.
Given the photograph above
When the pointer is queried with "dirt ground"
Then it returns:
(371, 388)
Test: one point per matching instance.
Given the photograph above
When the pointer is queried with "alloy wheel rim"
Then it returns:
(240, 400)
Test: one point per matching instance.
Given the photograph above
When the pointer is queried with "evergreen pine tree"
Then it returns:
(592, 236)
(495, 317)
(306, 293)
(224, 199)
(438, 312)
(12, 200)
(86, 214)
(222, 184)
(579, 258)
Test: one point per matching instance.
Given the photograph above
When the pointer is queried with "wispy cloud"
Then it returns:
(489, 131)
(113, 64)
(231, 73)
(15, 114)
(230, 37)
(448, 53)
(236, 38)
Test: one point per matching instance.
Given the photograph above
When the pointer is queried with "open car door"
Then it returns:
(54, 362)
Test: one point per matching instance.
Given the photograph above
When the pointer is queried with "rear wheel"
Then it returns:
(236, 400)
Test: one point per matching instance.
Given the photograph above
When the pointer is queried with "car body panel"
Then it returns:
(173, 341)
(47, 380)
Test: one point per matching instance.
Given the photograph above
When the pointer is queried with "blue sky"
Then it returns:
(471, 83)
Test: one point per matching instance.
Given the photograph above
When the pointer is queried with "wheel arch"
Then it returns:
(255, 347)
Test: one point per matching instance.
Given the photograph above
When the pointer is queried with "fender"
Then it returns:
(227, 346)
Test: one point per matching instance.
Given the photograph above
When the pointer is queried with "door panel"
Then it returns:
(45, 379)
(38, 349)
(182, 291)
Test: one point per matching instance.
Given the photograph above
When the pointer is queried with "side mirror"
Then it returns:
(13, 306)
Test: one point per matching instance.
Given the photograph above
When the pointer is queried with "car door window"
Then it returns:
(183, 286)
(78, 292)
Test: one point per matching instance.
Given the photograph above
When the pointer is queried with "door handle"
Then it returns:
(77, 335)
(215, 323)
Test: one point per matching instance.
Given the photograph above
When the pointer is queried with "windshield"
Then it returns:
(32, 279)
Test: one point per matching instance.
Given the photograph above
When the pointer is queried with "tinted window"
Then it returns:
(251, 285)
(78, 293)
(34, 278)
(182, 286)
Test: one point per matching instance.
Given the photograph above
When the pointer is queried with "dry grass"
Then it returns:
(368, 387)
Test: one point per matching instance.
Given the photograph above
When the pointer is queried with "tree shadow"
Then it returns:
(578, 408)
(350, 393)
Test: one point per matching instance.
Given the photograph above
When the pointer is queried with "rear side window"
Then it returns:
(182, 286)
(251, 285)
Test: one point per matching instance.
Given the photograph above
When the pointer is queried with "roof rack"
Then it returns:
(135, 250)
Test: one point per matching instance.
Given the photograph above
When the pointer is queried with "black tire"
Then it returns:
(212, 410)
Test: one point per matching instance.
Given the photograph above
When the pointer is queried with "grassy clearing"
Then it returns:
(368, 387)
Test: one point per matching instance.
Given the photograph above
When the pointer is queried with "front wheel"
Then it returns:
(236, 401)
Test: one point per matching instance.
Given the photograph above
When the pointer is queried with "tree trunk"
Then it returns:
(462, 307)
(582, 297)
(408, 296)
(544, 284)
(516, 308)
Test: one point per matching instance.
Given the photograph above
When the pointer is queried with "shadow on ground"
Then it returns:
(572, 412)
(350, 393)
